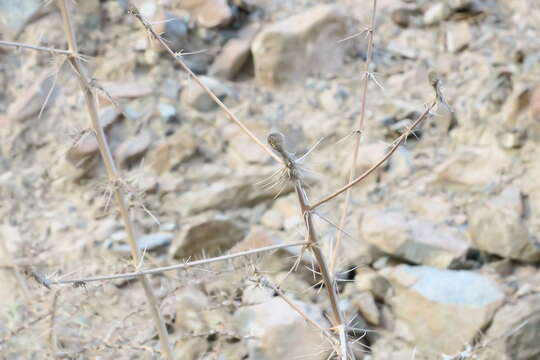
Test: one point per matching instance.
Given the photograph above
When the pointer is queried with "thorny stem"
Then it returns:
(113, 174)
(393, 148)
(160, 270)
(178, 57)
(277, 142)
(35, 47)
(359, 132)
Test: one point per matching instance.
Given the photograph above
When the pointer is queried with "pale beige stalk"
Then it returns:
(114, 176)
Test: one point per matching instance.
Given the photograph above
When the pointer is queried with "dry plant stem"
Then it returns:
(394, 147)
(113, 175)
(175, 267)
(178, 58)
(35, 47)
(358, 132)
(277, 142)
(305, 316)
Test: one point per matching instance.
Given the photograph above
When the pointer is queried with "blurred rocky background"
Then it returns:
(441, 252)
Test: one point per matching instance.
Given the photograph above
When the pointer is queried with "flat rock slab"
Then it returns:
(444, 310)
(415, 239)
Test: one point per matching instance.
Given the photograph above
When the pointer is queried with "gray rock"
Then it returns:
(196, 97)
(149, 242)
(133, 148)
(15, 14)
(454, 305)
(413, 238)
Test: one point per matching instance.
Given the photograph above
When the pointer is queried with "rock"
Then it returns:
(149, 242)
(133, 148)
(436, 13)
(242, 149)
(16, 15)
(472, 166)
(209, 13)
(405, 17)
(229, 194)
(513, 139)
(234, 55)
(166, 111)
(124, 90)
(196, 97)
(427, 300)
(172, 151)
(87, 145)
(273, 219)
(458, 37)
(365, 304)
(286, 50)
(279, 332)
(413, 238)
(367, 279)
(30, 102)
(399, 164)
(333, 99)
(206, 236)
(514, 332)
(498, 227)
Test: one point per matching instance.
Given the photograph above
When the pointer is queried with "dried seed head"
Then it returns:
(433, 78)
(277, 142)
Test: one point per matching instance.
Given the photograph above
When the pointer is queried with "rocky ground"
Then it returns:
(439, 255)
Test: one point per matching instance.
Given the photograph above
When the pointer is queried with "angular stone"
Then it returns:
(149, 242)
(472, 166)
(196, 97)
(209, 236)
(286, 50)
(365, 304)
(443, 309)
(498, 227)
(228, 194)
(458, 37)
(279, 332)
(414, 239)
(14, 15)
(233, 56)
(209, 13)
(436, 13)
(29, 103)
(172, 151)
(514, 332)
(134, 147)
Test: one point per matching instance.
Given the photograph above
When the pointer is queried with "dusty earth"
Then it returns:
(439, 254)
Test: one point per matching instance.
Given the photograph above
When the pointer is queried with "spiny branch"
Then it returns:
(178, 58)
(159, 270)
(394, 147)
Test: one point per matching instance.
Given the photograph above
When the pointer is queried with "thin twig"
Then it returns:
(358, 132)
(91, 103)
(163, 269)
(68, 53)
(393, 148)
(178, 57)
(277, 142)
